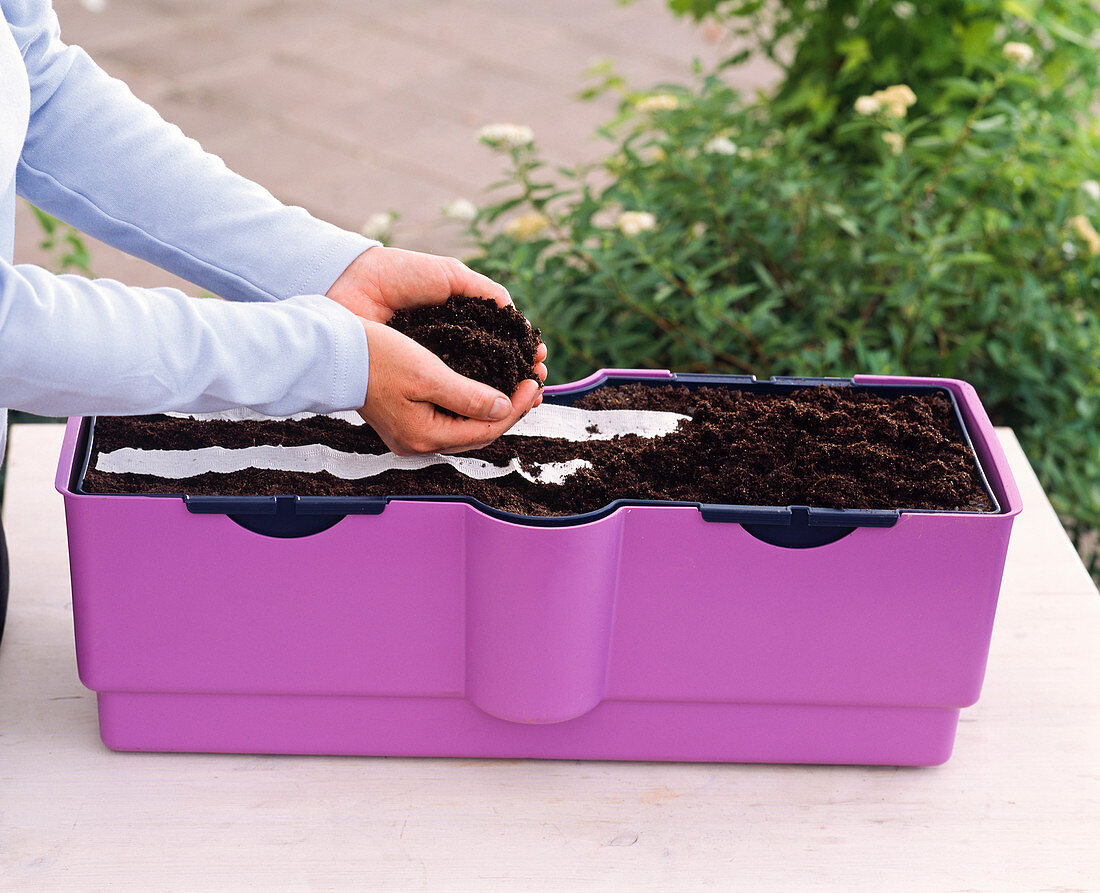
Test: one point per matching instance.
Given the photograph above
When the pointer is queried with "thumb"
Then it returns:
(467, 397)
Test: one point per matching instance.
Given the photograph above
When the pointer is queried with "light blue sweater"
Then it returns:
(80, 146)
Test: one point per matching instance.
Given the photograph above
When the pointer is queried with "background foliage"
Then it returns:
(942, 228)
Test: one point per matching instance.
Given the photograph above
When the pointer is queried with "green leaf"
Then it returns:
(1022, 9)
(856, 51)
(987, 124)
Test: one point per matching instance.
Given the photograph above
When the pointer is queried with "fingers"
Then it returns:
(474, 400)
(458, 435)
(534, 389)
(464, 281)
(467, 397)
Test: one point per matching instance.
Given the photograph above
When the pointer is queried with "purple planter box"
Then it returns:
(435, 628)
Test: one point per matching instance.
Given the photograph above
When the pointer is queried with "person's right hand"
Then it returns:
(382, 280)
(408, 383)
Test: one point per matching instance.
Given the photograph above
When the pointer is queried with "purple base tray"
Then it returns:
(435, 629)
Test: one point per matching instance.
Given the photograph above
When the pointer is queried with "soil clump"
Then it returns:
(475, 337)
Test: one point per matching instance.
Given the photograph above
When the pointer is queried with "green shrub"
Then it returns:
(829, 52)
(64, 245)
(725, 235)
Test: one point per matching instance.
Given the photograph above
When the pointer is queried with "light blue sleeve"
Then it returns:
(102, 160)
(74, 346)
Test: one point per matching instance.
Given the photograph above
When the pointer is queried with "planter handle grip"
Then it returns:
(798, 526)
(285, 517)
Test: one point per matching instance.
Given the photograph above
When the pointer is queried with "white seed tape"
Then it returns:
(178, 464)
(243, 414)
(547, 420)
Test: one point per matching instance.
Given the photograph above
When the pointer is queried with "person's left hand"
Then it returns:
(382, 280)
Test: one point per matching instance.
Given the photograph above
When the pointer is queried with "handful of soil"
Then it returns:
(491, 344)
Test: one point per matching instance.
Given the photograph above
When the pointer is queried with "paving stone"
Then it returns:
(271, 89)
(122, 22)
(628, 32)
(478, 95)
(203, 114)
(216, 41)
(499, 37)
(368, 57)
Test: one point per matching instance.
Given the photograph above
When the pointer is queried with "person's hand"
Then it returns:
(382, 280)
(408, 383)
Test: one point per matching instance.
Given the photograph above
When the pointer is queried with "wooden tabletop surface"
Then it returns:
(1017, 807)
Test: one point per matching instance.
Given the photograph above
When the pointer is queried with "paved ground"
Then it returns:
(351, 107)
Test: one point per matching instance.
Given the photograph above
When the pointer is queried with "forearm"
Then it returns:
(71, 346)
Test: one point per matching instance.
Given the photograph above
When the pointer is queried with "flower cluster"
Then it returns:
(1019, 54)
(720, 145)
(658, 102)
(506, 136)
(461, 209)
(895, 141)
(527, 226)
(632, 223)
(893, 101)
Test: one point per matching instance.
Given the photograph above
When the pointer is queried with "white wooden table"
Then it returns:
(1016, 808)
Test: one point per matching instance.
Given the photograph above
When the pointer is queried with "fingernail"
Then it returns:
(502, 408)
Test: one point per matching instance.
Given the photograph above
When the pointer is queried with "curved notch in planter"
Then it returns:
(284, 517)
(798, 526)
(539, 608)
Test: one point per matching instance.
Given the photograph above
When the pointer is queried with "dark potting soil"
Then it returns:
(829, 447)
(476, 338)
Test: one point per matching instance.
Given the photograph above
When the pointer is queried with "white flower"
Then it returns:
(904, 10)
(1069, 250)
(658, 102)
(631, 223)
(895, 141)
(720, 145)
(527, 226)
(698, 229)
(1019, 54)
(867, 105)
(379, 226)
(506, 136)
(94, 5)
(895, 100)
(1092, 189)
(460, 209)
